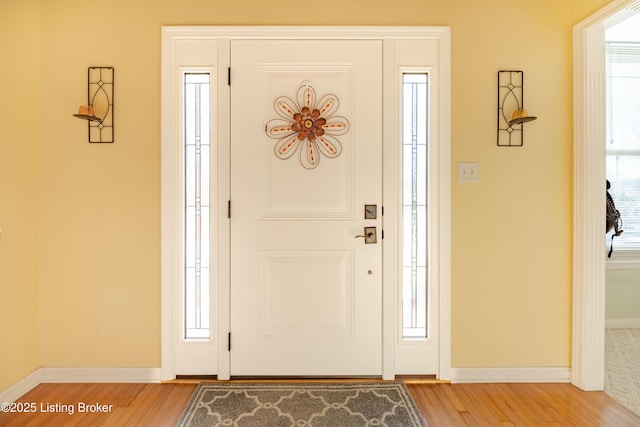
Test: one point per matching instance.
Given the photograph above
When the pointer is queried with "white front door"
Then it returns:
(306, 293)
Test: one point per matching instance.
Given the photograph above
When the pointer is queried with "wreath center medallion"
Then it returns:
(308, 126)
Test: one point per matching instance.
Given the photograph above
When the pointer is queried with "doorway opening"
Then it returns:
(589, 197)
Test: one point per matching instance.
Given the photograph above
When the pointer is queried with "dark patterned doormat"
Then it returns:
(302, 405)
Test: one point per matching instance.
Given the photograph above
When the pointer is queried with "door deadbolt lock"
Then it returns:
(369, 236)
(370, 211)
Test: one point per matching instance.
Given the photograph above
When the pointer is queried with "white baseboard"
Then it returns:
(153, 375)
(21, 387)
(511, 375)
(621, 323)
(80, 375)
(101, 375)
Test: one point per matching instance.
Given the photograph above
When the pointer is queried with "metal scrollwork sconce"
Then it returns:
(99, 111)
(511, 112)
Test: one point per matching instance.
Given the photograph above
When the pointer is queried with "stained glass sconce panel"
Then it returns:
(511, 112)
(99, 109)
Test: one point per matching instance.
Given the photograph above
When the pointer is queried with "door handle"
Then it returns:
(369, 236)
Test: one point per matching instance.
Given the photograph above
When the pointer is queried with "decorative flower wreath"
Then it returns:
(309, 124)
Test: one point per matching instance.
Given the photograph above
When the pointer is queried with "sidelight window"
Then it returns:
(197, 206)
(414, 205)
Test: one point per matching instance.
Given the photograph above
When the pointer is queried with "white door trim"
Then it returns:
(589, 174)
(440, 180)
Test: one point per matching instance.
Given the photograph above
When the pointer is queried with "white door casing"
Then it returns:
(589, 172)
(404, 49)
(306, 295)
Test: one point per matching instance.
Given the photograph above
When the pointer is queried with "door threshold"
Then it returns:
(408, 379)
(186, 379)
(294, 378)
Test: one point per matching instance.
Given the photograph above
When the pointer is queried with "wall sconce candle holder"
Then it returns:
(99, 111)
(511, 112)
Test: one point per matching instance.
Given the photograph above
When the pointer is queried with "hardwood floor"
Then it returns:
(518, 405)
(441, 404)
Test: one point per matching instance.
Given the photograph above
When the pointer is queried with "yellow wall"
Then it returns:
(622, 293)
(99, 222)
(19, 139)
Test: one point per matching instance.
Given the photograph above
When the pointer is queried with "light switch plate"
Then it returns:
(468, 172)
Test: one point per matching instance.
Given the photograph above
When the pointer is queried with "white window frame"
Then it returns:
(623, 257)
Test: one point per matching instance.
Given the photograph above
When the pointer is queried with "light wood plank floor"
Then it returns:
(441, 404)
